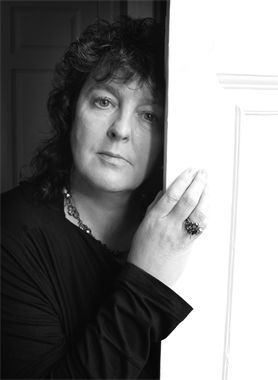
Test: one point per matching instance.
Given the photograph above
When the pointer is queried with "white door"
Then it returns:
(223, 116)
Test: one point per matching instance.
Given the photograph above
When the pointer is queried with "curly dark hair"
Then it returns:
(131, 47)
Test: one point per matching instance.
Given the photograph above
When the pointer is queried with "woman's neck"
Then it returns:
(113, 217)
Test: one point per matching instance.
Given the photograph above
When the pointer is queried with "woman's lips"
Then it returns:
(113, 157)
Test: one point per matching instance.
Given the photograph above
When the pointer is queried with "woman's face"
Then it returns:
(117, 134)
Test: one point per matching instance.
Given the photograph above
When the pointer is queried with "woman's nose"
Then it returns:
(120, 129)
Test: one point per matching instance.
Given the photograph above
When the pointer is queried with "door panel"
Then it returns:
(31, 88)
(222, 116)
(251, 343)
(53, 27)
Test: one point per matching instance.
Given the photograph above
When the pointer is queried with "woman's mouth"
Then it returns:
(113, 158)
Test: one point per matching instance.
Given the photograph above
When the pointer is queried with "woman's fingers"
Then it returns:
(200, 213)
(163, 241)
(190, 198)
(174, 192)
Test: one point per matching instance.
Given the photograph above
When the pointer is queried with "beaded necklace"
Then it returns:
(72, 211)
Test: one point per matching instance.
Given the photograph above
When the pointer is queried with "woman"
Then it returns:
(87, 259)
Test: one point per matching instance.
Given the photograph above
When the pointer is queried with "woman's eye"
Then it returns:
(102, 102)
(149, 116)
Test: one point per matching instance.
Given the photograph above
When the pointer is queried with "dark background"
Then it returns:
(34, 35)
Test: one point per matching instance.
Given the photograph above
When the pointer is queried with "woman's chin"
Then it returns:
(106, 178)
(112, 183)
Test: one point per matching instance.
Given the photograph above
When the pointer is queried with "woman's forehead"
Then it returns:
(118, 87)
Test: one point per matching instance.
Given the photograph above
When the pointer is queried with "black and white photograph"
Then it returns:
(139, 189)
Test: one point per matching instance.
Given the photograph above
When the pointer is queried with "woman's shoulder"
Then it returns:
(21, 209)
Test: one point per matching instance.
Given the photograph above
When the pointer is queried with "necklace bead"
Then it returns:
(72, 211)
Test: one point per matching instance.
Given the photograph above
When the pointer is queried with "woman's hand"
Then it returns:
(161, 244)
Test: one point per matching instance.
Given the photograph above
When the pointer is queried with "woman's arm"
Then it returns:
(115, 344)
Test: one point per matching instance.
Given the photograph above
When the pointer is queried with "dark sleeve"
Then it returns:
(116, 344)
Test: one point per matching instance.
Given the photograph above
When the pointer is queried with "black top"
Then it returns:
(70, 307)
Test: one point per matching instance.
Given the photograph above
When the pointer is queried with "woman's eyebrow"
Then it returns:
(151, 102)
(104, 86)
(116, 91)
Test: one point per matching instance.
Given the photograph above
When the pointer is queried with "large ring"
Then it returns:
(192, 228)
